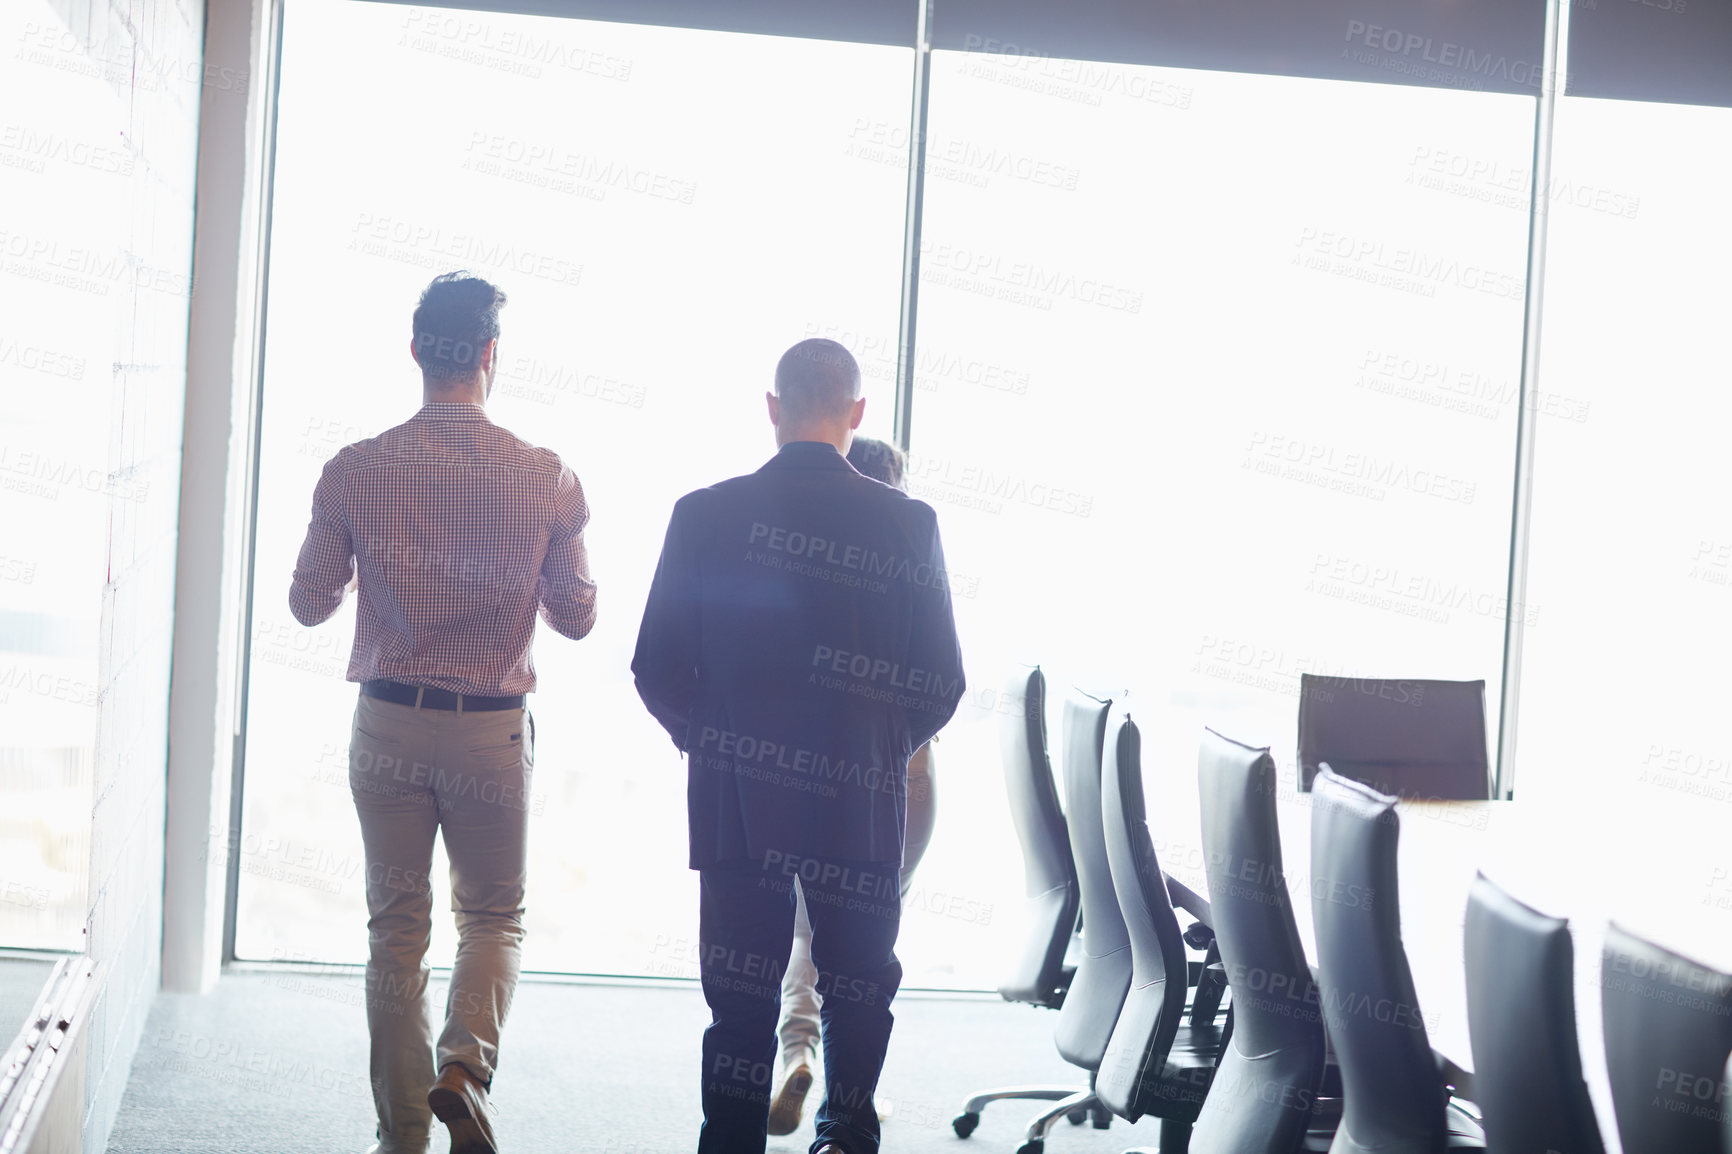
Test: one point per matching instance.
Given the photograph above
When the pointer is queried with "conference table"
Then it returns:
(1662, 874)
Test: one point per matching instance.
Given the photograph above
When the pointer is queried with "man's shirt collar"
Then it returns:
(451, 411)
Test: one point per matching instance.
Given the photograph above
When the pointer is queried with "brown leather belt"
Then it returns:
(424, 698)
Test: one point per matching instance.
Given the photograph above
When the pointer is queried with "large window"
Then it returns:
(1623, 722)
(1219, 387)
(666, 220)
(1217, 383)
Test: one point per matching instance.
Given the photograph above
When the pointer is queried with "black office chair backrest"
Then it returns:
(1153, 1008)
(1272, 1070)
(1103, 972)
(1668, 1028)
(1048, 871)
(1410, 738)
(1521, 1015)
(1394, 1096)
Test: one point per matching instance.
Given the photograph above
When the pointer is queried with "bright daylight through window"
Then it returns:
(1216, 384)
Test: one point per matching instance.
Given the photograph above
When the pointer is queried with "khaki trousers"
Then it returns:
(416, 773)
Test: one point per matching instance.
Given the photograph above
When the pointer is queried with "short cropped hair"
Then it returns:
(457, 316)
(879, 460)
(817, 378)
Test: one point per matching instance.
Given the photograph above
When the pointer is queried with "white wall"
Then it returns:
(121, 266)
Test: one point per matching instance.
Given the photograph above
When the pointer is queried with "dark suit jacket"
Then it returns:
(798, 646)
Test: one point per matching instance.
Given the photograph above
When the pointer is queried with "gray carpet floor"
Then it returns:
(277, 1062)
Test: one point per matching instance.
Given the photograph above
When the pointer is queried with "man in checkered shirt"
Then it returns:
(455, 534)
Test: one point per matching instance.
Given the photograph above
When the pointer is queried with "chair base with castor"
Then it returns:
(965, 1122)
(1075, 1105)
(1074, 1110)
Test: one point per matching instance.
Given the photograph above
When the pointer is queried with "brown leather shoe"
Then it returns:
(790, 1100)
(459, 1100)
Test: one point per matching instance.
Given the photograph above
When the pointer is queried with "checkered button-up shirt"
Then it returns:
(457, 532)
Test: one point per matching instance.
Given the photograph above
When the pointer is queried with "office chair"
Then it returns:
(1410, 738)
(1668, 1028)
(1266, 1096)
(1156, 1062)
(1521, 1016)
(1103, 970)
(1040, 976)
(1395, 1101)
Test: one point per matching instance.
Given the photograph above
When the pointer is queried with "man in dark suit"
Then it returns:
(798, 646)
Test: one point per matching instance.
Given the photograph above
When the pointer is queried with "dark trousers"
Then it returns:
(745, 931)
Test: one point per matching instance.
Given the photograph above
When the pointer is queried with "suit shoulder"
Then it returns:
(719, 493)
(917, 511)
(699, 502)
(691, 503)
